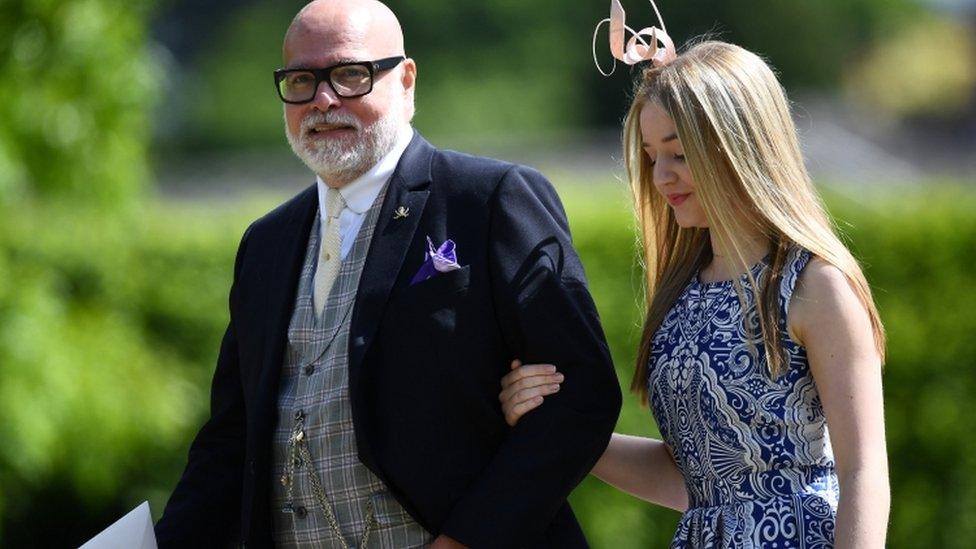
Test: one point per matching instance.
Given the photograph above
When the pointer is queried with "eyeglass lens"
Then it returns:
(347, 81)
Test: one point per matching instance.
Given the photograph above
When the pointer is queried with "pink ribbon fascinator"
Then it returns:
(659, 50)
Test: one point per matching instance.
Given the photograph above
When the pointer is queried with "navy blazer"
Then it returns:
(425, 362)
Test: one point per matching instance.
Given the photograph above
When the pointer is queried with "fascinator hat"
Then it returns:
(648, 44)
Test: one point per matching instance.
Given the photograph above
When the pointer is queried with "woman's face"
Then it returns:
(672, 177)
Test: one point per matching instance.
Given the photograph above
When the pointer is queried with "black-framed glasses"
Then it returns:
(347, 80)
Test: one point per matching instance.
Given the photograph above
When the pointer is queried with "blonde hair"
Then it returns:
(733, 121)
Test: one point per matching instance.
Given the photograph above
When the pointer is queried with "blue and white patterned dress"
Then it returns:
(754, 451)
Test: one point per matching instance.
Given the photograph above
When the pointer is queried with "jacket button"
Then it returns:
(310, 369)
(300, 512)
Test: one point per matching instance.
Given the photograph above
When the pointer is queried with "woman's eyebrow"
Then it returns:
(667, 139)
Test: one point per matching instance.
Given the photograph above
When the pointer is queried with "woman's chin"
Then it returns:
(687, 223)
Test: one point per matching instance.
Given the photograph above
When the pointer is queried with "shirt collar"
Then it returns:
(360, 193)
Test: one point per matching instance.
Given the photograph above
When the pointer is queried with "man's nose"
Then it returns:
(325, 97)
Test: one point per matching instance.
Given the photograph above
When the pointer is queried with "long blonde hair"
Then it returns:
(733, 121)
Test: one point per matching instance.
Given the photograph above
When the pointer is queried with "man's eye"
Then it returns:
(350, 74)
(302, 79)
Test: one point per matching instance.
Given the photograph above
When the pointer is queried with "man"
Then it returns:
(372, 318)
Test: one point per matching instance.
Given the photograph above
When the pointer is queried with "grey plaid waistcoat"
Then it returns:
(315, 385)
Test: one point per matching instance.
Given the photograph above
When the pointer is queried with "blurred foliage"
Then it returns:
(227, 98)
(109, 332)
(511, 68)
(77, 380)
(106, 333)
(927, 69)
(919, 261)
(75, 83)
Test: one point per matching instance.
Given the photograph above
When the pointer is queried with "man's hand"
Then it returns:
(444, 542)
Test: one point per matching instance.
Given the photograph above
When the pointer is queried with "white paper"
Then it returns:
(133, 531)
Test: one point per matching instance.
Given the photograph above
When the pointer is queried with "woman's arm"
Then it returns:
(642, 467)
(829, 320)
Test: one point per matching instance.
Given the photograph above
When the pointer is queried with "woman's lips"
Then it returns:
(676, 199)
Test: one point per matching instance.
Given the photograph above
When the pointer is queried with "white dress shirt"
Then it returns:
(361, 192)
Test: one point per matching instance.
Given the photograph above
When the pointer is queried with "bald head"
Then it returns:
(336, 24)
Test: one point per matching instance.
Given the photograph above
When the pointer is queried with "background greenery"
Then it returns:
(112, 299)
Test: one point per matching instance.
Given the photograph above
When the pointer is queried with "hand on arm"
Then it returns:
(642, 467)
(524, 388)
(829, 320)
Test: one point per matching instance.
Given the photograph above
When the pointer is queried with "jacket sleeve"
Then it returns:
(547, 315)
(204, 509)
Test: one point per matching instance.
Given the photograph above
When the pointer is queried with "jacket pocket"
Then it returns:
(439, 286)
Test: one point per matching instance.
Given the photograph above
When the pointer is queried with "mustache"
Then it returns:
(334, 118)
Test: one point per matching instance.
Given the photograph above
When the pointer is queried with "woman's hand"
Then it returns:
(524, 388)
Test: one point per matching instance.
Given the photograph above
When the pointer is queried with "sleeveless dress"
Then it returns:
(754, 450)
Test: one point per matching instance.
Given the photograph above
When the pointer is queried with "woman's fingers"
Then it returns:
(529, 370)
(524, 388)
(513, 414)
(513, 389)
(531, 393)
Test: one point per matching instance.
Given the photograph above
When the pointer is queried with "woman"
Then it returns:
(761, 349)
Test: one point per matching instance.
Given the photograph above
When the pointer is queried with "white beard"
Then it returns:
(343, 161)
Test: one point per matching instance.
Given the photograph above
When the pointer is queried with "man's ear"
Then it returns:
(409, 76)
(409, 81)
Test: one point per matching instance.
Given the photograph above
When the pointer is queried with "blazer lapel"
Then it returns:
(407, 194)
(280, 302)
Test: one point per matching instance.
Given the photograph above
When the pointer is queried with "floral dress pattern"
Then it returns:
(754, 450)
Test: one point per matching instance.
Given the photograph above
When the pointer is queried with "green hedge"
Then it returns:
(76, 83)
(107, 336)
(109, 331)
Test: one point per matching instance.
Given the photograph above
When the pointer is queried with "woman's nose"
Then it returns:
(663, 174)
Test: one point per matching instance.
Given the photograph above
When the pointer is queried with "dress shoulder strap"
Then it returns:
(796, 260)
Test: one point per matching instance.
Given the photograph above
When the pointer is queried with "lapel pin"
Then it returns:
(401, 212)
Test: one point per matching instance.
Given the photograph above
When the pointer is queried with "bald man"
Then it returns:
(372, 316)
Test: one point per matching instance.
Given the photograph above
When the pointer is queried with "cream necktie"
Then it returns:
(329, 250)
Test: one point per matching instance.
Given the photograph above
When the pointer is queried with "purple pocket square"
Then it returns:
(437, 260)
